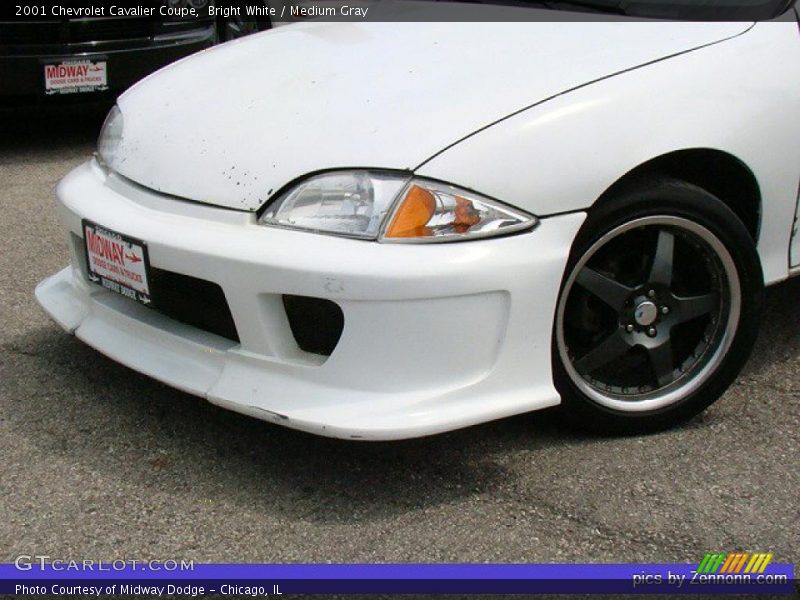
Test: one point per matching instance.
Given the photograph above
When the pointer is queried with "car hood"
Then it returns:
(232, 125)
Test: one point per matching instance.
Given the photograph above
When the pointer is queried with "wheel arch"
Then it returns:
(717, 172)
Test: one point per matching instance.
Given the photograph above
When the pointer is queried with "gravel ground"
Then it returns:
(100, 462)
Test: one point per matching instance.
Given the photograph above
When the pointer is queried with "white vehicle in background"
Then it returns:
(399, 229)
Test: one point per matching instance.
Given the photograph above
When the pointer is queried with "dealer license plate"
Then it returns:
(75, 76)
(117, 262)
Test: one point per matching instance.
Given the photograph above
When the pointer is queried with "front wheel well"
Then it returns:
(717, 172)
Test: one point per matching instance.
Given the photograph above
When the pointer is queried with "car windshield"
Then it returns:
(705, 10)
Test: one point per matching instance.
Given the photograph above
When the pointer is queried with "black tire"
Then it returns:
(665, 206)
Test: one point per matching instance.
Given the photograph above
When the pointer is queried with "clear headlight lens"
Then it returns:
(393, 208)
(110, 136)
(344, 203)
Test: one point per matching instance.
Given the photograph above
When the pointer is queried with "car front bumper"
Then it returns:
(435, 337)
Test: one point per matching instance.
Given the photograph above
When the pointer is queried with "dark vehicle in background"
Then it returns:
(47, 59)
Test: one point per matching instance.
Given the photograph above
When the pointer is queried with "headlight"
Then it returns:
(110, 137)
(393, 208)
(344, 203)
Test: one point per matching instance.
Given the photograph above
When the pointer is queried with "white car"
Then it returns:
(397, 229)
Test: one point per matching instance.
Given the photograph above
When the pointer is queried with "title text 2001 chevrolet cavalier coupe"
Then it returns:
(388, 230)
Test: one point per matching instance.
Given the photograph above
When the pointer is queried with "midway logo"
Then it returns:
(67, 70)
(105, 247)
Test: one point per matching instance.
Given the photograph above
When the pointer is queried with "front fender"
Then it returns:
(740, 96)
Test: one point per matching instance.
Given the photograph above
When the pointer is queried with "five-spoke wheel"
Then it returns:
(652, 304)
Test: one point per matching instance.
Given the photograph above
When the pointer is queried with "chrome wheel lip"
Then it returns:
(682, 387)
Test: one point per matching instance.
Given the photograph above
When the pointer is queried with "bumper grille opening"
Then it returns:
(192, 301)
(316, 323)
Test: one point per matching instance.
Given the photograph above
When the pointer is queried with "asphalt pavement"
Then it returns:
(99, 462)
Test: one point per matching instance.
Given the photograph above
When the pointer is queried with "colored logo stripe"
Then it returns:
(724, 563)
(758, 563)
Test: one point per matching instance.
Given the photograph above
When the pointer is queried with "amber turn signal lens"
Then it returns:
(432, 211)
(413, 214)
